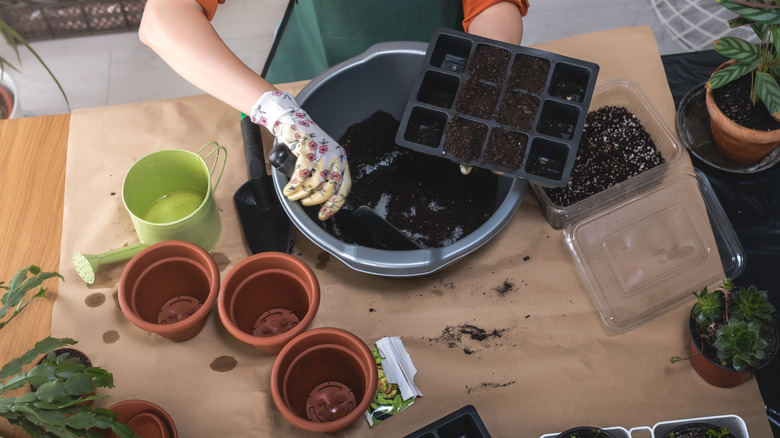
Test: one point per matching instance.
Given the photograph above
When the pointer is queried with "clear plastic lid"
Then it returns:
(645, 255)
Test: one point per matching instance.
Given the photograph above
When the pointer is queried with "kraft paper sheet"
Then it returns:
(545, 366)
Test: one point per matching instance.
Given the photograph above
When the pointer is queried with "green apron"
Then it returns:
(317, 34)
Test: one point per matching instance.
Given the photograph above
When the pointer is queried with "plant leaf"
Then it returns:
(78, 384)
(769, 92)
(768, 14)
(80, 421)
(727, 75)
(737, 48)
(44, 346)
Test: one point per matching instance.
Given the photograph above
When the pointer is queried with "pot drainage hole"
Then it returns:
(178, 309)
(330, 401)
(275, 322)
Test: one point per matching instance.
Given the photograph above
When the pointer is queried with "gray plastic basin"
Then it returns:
(382, 79)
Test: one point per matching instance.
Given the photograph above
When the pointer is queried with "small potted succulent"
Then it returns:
(732, 334)
(62, 386)
(751, 73)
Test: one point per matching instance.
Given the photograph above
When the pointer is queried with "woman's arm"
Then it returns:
(179, 32)
(502, 21)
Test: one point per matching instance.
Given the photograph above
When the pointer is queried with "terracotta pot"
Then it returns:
(736, 142)
(267, 299)
(713, 372)
(145, 418)
(324, 380)
(169, 288)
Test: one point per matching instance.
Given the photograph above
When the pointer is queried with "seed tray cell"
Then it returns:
(477, 89)
(463, 423)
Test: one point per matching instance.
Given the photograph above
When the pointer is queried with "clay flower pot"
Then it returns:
(324, 380)
(713, 372)
(267, 299)
(145, 418)
(169, 288)
(736, 142)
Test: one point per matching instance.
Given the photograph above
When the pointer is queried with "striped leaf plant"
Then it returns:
(761, 59)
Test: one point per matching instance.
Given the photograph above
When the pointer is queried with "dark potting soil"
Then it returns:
(734, 101)
(489, 63)
(529, 73)
(464, 138)
(477, 98)
(506, 148)
(425, 197)
(587, 434)
(518, 110)
(697, 430)
(613, 148)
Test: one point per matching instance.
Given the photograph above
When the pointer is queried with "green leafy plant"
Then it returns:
(14, 39)
(752, 304)
(709, 306)
(760, 59)
(16, 291)
(62, 386)
(712, 433)
(740, 345)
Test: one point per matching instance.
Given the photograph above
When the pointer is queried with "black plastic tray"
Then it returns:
(559, 104)
(463, 423)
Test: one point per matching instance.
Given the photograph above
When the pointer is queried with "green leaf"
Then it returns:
(78, 384)
(44, 346)
(737, 48)
(727, 75)
(81, 421)
(768, 14)
(18, 288)
(769, 92)
(51, 391)
(123, 430)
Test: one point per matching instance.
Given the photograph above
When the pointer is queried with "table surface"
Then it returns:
(33, 181)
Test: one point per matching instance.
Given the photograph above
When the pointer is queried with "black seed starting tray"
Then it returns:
(513, 110)
(463, 423)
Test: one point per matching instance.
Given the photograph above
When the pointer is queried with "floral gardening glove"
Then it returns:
(321, 172)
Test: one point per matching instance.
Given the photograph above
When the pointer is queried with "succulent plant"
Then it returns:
(709, 306)
(752, 304)
(740, 345)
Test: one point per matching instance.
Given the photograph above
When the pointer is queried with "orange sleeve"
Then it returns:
(472, 8)
(209, 7)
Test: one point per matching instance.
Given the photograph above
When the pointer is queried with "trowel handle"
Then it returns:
(282, 159)
(253, 148)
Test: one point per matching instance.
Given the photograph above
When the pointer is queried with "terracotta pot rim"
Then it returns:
(361, 351)
(137, 406)
(202, 258)
(270, 344)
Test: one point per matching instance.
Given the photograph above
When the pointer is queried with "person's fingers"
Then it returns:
(302, 170)
(335, 202)
(308, 185)
(332, 182)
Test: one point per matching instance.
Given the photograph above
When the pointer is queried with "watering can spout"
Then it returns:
(87, 264)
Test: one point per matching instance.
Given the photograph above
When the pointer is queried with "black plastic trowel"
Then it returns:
(264, 222)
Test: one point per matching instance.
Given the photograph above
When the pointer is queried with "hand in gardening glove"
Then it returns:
(321, 172)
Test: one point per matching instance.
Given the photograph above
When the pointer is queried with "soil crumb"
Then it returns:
(505, 288)
(452, 336)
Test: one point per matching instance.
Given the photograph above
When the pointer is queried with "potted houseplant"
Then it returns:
(746, 134)
(63, 386)
(732, 334)
(9, 99)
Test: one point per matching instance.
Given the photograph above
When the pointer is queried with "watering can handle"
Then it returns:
(219, 153)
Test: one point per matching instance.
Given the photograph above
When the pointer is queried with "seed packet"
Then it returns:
(395, 390)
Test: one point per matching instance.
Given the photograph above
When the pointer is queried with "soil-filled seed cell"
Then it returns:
(463, 138)
(529, 73)
(477, 99)
(506, 148)
(518, 110)
(489, 63)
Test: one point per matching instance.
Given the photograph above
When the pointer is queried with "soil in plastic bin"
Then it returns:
(613, 148)
(697, 430)
(518, 110)
(529, 73)
(733, 99)
(477, 98)
(425, 197)
(464, 138)
(506, 148)
(489, 63)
